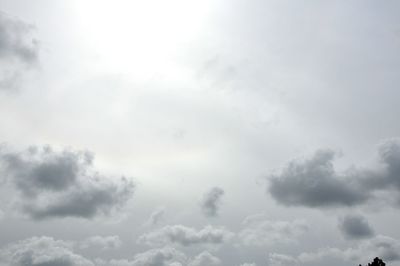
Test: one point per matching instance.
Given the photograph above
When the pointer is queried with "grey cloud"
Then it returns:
(355, 227)
(276, 259)
(159, 257)
(41, 251)
(259, 231)
(38, 169)
(205, 259)
(384, 247)
(156, 216)
(18, 50)
(186, 236)
(62, 184)
(211, 202)
(165, 256)
(103, 242)
(315, 182)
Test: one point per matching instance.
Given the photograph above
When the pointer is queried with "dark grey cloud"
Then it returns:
(19, 51)
(41, 251)
(355, 227)
(186, 236)
(62, 184)
(314, 182)
(211, 201)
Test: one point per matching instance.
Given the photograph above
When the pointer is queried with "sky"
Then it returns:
(199, 133)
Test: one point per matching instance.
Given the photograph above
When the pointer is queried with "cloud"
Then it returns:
(159, 257)
(156, 216)
(248, 264)
(41, 251)
(276, 259)
(186, 236)
(384, 247)
(165, 256)
(259, 231)
(205, 259)
(315, 183)
(211, 201)
(355, 227)
(103, 242)
(19, 51)
(62, 184)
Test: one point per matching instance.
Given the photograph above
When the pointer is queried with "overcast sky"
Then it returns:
(199, 133)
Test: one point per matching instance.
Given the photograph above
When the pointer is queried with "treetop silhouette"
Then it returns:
(377, 262)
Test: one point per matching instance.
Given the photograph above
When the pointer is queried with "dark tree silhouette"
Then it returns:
(377, 262)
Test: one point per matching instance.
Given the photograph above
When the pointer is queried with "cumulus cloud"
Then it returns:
(259, 231)
(159, 257)
(355, 227)
(205, 259)
(41, 251)
(276, 259)
(46, 251)
(18, 50)
(186, 236)
(384, 247)
(211, 201)
(62, 184)
(165, 256)
(103, 242)
(314, 182)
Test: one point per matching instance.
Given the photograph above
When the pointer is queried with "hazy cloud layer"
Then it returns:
(102, 242)
(259, 231)
(18, 50)
(314, 182)
(355, 227)
(186, 236)
(211, 201)
(41, 251)
(62, 184)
